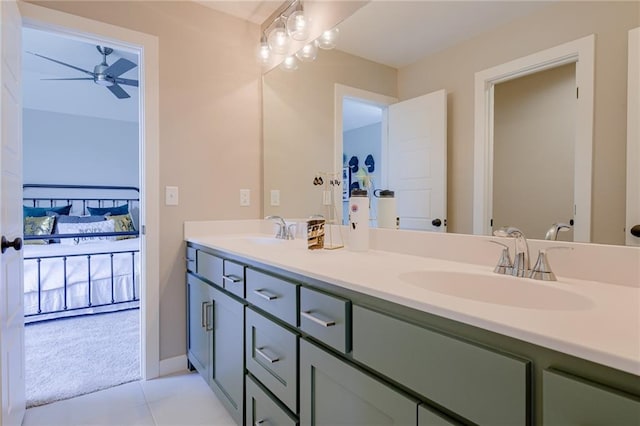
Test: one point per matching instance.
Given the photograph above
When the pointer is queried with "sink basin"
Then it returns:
(498, 289)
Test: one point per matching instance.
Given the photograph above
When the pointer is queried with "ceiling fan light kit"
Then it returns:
(288, 23)
(103, 74)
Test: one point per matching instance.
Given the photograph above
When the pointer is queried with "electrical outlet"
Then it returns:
(275, 197)
(171, 195)
(245, 197)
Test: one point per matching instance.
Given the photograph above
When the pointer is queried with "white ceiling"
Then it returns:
(256, 11)
(72, 97)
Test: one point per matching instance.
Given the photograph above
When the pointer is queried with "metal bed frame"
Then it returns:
(84, 202)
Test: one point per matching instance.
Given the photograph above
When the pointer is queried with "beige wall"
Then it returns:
(454, 71)
(210, 128)
(533, 151)
(298, 125)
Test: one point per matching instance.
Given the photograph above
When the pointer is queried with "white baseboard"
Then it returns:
(173, 365)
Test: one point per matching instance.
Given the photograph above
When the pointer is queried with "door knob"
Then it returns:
(635, 230)
(16, 244)
(436, 222)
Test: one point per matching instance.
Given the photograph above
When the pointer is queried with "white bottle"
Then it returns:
(387, 212)
(358, 239)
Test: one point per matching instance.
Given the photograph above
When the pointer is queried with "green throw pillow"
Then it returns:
(38, 226)
(122, 223)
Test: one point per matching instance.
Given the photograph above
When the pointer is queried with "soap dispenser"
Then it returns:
(358, 236)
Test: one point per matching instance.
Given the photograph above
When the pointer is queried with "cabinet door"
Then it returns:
(333, 392)
(200, 303)
(227, 375)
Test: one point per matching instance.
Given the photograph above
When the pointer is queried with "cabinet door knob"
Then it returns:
(436, 222)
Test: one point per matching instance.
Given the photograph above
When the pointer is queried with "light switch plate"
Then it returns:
(245, 197)
(171, 195)
(275, 197)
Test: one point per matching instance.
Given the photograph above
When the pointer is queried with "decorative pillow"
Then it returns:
(122, 223)
(101, 211)
(85, 228)
(42, 211)
(75, 219)
(42, 225)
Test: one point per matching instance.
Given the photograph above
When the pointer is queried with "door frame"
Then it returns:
(633, 138)
(341, 92)
(147, 47)
(582, 53)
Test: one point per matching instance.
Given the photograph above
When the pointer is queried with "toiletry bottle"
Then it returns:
(387, 214)
(358, 239)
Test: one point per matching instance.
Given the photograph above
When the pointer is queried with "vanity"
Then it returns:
(285, 335)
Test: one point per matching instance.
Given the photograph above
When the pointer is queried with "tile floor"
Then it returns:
(182, 399)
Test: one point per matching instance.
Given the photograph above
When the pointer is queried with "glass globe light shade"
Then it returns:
(264, 53)
(328, 39)
(298, 26)
(278, 39)
(308, 53)
(289, 64)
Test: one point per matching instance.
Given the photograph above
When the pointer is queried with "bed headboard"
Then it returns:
(80, 196)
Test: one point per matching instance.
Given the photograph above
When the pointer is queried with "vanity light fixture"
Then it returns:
(328, 39)
(298, 23)
(264, 53)
(277, 38)
(309, 52)
(289, 64)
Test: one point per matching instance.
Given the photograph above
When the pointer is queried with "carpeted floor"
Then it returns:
(75, 356)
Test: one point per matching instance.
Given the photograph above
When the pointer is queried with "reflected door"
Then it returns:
(417, 166)
(633, 140)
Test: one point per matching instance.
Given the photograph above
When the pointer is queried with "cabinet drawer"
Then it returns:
(273, 295)
(479, 384)
(233, 278)
(272, 357)
(327, 318)
(568, 399)
(263, 410)
(209, 267)
(190, 259)
(428, 417)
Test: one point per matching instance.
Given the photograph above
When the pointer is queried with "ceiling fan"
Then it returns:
(103, 74)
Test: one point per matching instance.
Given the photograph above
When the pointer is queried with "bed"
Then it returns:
(81, 252)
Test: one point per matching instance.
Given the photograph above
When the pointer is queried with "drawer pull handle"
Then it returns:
(265, 294)
(203, 315)
(271, 360)
(232, 278)
(262, 422)
(317, 320)
(209, 326)
(189, 259)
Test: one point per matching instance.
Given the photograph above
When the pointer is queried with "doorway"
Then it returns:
(86, 137)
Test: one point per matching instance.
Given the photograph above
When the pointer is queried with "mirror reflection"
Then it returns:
(303, 137)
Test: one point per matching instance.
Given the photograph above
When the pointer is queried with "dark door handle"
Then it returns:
(635, 231)
(436, 222)
(16, 244)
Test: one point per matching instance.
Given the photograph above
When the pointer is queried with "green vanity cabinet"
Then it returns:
(215, 333)
(333, 392)
(477, 383)
(264, 410)
(570, 400)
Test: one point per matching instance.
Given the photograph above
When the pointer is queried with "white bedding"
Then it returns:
(52, 274)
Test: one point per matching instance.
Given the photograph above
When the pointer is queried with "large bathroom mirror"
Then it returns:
(402, 50)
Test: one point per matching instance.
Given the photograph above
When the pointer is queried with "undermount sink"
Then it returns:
(498, 289)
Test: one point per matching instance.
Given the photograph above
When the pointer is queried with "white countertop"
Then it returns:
(596, 321)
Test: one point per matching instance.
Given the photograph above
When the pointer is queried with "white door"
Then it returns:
(11, 292)
(417, 154)
(633, 140)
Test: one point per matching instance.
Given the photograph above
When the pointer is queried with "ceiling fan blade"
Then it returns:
(78, 78)
(118, 91)
(63, 63)
(119, 67)
(126, 82)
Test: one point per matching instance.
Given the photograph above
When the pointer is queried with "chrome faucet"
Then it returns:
(521, 263)
(284, 232)
(552, 233)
